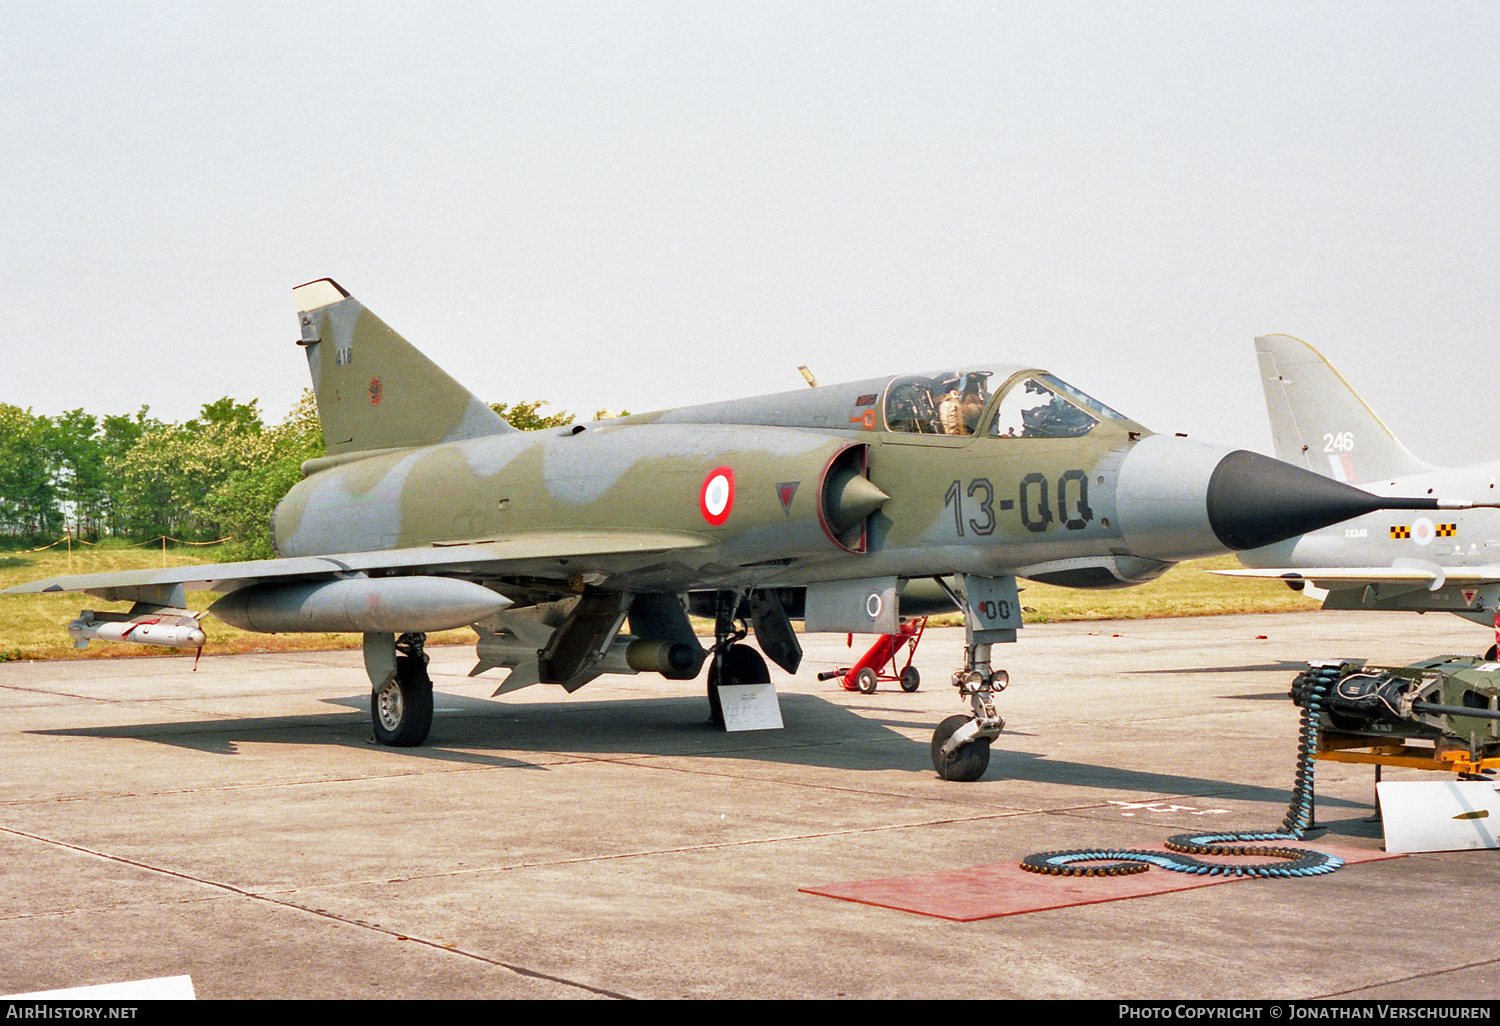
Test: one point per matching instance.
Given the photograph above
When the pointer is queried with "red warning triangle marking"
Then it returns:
(784, 492)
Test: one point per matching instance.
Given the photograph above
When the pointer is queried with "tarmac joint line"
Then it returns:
(318, 913)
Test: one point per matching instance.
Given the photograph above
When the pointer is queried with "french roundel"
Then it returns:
(717, 497)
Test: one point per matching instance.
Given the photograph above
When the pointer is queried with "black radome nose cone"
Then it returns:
(1254, 500)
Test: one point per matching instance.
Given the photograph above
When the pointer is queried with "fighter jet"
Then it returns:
(1379, 561)
(581, 551)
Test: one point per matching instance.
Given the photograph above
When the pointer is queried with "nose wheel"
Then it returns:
(955, 759)
(961, 744)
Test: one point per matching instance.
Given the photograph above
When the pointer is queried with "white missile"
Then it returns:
(170, 628)
(361, 605)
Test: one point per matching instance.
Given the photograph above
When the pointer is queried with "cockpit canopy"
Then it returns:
(1034, 405)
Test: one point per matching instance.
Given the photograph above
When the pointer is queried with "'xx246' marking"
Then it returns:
(974, 505)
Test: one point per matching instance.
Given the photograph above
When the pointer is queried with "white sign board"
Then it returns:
(1442, 815)
(750, 707)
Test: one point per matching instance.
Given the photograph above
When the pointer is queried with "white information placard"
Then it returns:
(1441, 815)
(750, 707)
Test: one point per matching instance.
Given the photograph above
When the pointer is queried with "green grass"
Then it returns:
(1185, 590)
(34, 626)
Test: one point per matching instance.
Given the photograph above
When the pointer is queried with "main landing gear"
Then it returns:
(401, 703)
(731, 662)
(992, 613)
(737, 664)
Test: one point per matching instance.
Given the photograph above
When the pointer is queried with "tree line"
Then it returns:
(133, 476)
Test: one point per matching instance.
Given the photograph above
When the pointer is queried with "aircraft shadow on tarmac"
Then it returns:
(821, 733)
(1291, 667)
(476, 730)
(1028, 766)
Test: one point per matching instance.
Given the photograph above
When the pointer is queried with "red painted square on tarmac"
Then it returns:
(988, 892)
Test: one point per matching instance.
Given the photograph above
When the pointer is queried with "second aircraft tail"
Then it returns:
(1320, 423)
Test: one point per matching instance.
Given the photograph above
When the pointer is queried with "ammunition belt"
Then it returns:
(1313, 684)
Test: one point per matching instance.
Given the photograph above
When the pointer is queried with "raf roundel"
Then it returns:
(717, 497)
(1423, 531)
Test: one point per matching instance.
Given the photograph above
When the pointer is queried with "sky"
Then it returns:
(649, 204)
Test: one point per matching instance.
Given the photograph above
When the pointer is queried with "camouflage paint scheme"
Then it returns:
(823, 504)
(455, 477)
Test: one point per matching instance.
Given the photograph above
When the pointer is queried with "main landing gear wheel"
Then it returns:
(866, 680)
(401, 708)
(967, 763)
(741, 664)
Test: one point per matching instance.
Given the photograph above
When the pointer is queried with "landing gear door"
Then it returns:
(864, 606)
(996, 606)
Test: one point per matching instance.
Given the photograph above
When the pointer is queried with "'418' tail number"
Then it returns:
(974, 504)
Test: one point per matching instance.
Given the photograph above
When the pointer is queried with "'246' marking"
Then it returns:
(1034, 498)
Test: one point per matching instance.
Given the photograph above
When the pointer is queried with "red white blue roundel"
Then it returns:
(1423, 531)
(717, 497)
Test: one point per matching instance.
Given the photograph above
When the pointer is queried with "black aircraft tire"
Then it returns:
(401, 711)
(969, 762)
(740, 665)
(910, 679)
(866, 680)
(1489, 653)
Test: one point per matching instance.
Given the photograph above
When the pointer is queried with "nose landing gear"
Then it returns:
(992, 614)
(961, 744)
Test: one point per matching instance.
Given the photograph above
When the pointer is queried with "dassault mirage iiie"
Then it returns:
(1379, 561)
(581, 551)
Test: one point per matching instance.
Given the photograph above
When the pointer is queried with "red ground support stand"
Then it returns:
(864, 675)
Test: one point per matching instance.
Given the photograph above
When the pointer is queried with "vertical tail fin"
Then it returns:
(1320, 423)
(374, 389)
